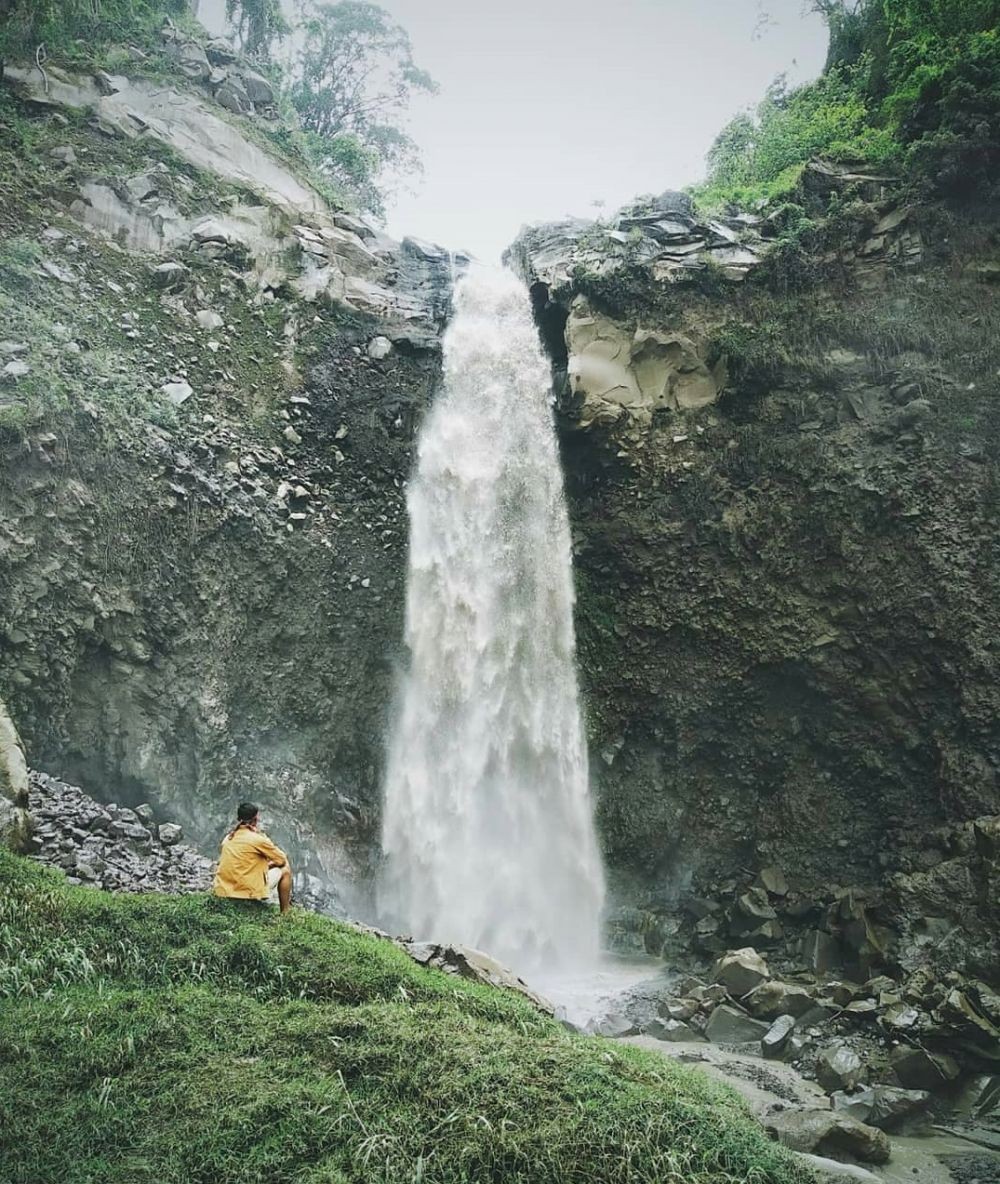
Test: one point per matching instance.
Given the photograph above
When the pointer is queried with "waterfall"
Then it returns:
(488, 835)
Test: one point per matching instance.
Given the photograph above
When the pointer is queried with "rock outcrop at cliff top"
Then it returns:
(664, 234)
(284, 230)
(636, 370)
(656, 354)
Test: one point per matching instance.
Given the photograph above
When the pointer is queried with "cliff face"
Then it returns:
(780, 442)
(782, 467)
(211, 382)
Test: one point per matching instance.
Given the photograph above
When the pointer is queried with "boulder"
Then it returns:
(707, 997)
(191, 59)
(838, 1068)
(169, 276)
(820, 952)
(739, 971)
(233, 97)
(818, 1014)
(169, 833)
(208, 319)
(771, 999)
(772, 880)
(466, 962)
(829, 1171)
(959, 1010)
(775, 1039)
(755, 906)
(220, 53)
(613, 1026)
(177, 392)
(883, 1106)
(726, 1025)
(678, 1009)
(919, 1069)
(672, 1030)
(673, 201)
(829, 1133)
(210, 230)
(257, 87)
(379, 347)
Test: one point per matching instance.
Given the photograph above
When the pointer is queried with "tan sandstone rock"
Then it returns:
(15, 823)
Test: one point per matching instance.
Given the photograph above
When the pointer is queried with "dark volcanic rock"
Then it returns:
(726, 1025)
(828, 1132)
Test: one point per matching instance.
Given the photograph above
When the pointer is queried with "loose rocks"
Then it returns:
(775, 1039)
(883, 1106)
(107, 846)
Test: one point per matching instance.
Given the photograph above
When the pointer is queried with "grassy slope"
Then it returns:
(183, 1039)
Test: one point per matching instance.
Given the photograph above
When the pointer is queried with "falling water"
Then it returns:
(488, 836)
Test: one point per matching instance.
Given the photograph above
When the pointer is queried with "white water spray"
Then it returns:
(488, 833)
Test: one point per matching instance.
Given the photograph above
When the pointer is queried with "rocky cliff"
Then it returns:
(780, 440)
(210, 382)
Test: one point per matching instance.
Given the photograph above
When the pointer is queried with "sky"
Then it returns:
(547, 106)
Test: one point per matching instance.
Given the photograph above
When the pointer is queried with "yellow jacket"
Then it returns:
(243, 863)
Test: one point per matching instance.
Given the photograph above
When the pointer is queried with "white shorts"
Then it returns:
(274, 874)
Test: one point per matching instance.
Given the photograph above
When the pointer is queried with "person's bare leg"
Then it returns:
(285, 889)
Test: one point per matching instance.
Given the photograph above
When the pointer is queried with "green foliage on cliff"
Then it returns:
(353, 79)
(55, 26)
(258, 24)
(185, 1039)
(910, 85)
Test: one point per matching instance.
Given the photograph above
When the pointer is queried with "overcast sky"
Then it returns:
(549, 105)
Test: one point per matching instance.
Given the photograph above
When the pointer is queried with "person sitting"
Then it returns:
(250, 865)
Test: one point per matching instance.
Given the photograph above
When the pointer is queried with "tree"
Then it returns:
(352, 83)
(258, 24)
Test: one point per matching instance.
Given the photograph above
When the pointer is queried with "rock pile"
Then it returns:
(850, 1078)
(880, 1050)
(111, 846)
(222, 71)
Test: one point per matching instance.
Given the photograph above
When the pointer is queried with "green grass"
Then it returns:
(186, 1039)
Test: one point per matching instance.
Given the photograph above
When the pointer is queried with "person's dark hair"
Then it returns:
(246, 812)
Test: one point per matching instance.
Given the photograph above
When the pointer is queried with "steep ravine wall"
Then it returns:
(210, 383)
(788, 590)
(171, 640)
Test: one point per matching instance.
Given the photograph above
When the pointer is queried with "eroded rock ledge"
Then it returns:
(638, 337)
